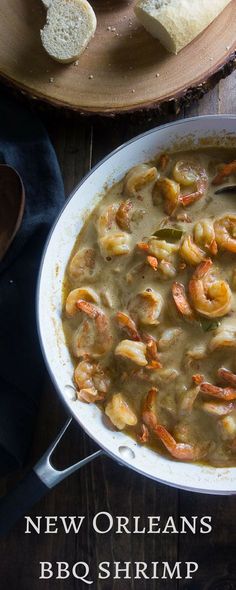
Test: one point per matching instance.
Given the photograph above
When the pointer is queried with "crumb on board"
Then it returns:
(76, 63)
(51, 80)
(90, 76)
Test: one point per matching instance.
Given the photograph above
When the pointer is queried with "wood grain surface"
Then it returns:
(104, 485)
(123, 68)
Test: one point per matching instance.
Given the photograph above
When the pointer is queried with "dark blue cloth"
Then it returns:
(25, 145)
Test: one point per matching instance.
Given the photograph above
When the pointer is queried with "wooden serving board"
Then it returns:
(123, 69)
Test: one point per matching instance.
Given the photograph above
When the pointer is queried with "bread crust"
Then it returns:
(70, 26)
(177, 22)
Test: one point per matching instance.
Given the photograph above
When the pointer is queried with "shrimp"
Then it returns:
(112, 242)
(181, 301)
(225, 171)
(217, 409)
(123, 215)
(143, 437)
(149, 416)
(161, 249)
(180, 451)
(163, 161)
(224, 337)
(169, 337)
(106, 221)
(137, 178)
(187, 174)
(153, 262)
(166, 270)
(190, 252)
(115, 243)
(92, 337)
(133, 351)
(210, 297)
(227, 426)
(198, 378)
(169, 191)
(84, 293)
(225, 232)
(151, 351)
(83, 265)
(92, 381)
(204, 235)
(146, 306)
(197, 353)
(119, 412)
(187, 400)
(127, 324)
(227, 376)
(226, 393)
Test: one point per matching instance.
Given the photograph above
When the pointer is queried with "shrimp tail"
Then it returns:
(142, 246)
(227, 170)
(127, 324)
(227, 376)
(181, 451)
(143, 437)
(227, 393)
(87, 308)
(149, 416)
(153, 262)
(181, 301)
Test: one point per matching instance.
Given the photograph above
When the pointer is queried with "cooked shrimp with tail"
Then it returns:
(210, 296)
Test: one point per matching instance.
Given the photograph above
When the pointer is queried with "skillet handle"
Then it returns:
(36, 484)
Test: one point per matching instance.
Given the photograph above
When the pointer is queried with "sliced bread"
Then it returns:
(70, 26)
(177, 22)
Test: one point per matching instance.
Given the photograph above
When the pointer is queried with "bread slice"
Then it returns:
(177, 22)
(70, 26)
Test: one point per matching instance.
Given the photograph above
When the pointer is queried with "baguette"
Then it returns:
(70, 26)
(177, 22)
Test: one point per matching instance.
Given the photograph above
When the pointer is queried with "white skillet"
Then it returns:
(217, 130)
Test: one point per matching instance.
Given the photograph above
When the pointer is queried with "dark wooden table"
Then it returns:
(104, 485)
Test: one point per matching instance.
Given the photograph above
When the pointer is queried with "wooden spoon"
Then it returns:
(12, 202)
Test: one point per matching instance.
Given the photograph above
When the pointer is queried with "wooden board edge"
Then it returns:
(171, 104)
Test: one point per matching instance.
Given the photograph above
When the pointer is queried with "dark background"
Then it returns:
(104, 485)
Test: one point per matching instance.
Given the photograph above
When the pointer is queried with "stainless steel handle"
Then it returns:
(51, 476)
(36, 484)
